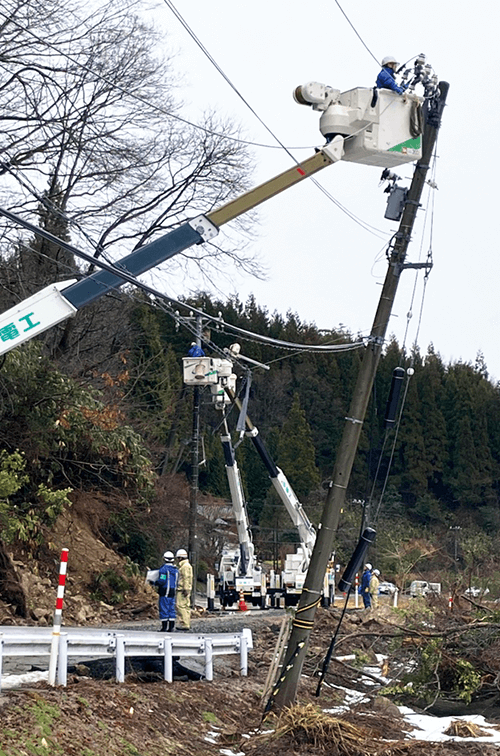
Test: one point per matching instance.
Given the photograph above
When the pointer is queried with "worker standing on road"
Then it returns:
(166, 584)
(374, 586)
(364, 588)
(184, 588)
(387, 76)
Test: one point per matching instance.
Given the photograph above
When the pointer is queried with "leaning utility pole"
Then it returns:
(286, 687)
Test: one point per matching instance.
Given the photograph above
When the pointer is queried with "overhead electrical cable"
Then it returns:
(279, 145)
(202, 47)
(99, 76)
(212, 60)
(125, 276)
(14, 171)
(356, 32)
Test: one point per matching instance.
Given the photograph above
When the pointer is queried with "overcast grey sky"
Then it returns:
(320, 263)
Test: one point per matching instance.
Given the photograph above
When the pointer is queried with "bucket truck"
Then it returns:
(238, 567)
(357, 126)
(239, 570)
(296, 565)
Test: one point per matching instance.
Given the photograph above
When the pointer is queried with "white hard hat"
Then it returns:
(368, 566)
(389, 59)
(376, 572)
(181, 554)
(168, 556)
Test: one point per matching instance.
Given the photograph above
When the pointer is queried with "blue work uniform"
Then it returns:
(167, 583)
(196, 351)
(364, 588)
(387, 80)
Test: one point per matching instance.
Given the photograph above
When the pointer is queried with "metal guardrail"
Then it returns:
(91, 643)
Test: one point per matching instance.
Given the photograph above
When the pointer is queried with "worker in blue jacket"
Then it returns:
(195, 350)
(387, 77)
(166, 584)
(364, 588)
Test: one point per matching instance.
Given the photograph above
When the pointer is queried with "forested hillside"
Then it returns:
(121, 424)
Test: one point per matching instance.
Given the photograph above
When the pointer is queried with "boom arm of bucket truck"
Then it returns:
(296, 565)
(246, 561)
(239, 571)
(382, 134)
(305, 528)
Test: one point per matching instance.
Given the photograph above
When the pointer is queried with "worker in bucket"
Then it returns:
(387, 76)
(167, 583)
(364, 588)
(195, 350)
(374, 586)
(184, 588)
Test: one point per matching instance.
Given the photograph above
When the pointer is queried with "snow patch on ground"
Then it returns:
(11, 682)
(432, 728)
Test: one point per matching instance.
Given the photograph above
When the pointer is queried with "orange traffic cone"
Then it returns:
(242, 606)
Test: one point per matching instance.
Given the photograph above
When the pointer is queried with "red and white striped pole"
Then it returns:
(56, 626)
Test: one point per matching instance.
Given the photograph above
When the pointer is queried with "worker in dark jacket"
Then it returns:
(167, 584)
(387, 77)
(364, 588)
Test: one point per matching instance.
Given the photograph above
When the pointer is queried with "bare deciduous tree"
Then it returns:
(90, 131)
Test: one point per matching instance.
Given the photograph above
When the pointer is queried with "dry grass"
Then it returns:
(465, 729)
(306, 725)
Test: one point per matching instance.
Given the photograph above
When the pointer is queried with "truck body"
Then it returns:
(380, 134)
(423, 588)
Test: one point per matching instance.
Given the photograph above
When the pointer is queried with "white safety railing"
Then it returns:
(90, 643)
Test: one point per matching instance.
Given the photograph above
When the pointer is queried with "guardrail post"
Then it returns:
(1, 660)
(243, 655)
(395, 598)
(209, 660)
(120, 658)
(62, 664)
(168, 672)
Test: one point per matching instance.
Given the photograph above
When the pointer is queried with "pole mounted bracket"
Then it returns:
(417, 266)
(413, 266)
(204, 227)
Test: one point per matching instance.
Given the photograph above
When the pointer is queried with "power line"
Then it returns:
(129, 278)
(356, 32)
(143, 100)
(212, 60)
(154, 106)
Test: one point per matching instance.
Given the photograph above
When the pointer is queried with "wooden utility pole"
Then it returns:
(285, 691)
(195, 466)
